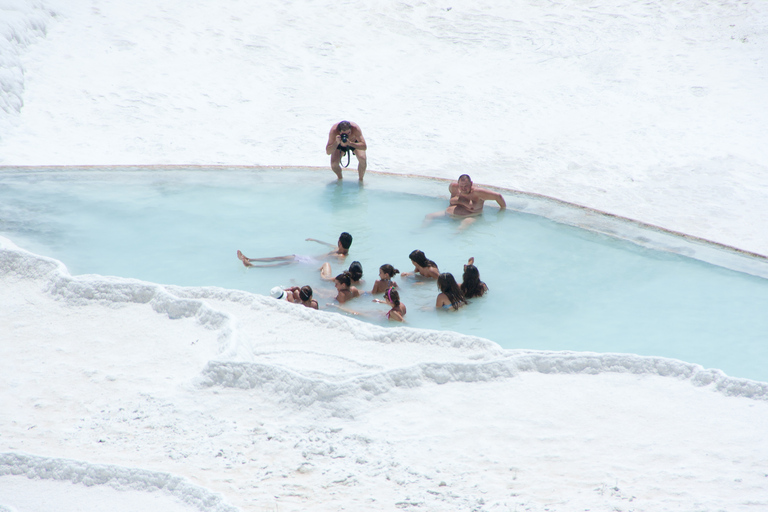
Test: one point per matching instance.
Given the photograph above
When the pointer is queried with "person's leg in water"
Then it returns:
(456, 212)
(432, 216)
(465, 223)
(284, 260)
(325, 272)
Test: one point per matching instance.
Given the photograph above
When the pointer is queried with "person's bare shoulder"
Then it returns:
(484, 193)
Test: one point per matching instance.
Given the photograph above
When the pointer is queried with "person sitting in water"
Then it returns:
(355, 272)
(341, 249)
(467, 201)
(392, 298)
(386, 274)
(295, 295)
(471, 285)
(304, 296)
(422, 265)
(346, 291)
(450, 294)
(347, 136)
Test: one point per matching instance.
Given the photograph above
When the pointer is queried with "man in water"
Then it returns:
(346, 136)
(467, 201)
(341, 249)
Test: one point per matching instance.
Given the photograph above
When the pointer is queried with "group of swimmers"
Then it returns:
(451, 296)
(466, 203)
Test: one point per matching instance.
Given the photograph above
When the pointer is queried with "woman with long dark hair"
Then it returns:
(422, 265)
(471, 285)
(450, 293)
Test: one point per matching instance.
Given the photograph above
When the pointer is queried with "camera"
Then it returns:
(344, 137)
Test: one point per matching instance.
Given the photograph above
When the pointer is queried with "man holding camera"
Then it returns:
(346, 136)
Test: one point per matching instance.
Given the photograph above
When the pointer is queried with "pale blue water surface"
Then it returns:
(552, 286)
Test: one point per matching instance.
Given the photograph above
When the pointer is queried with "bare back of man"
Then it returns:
(355, 142)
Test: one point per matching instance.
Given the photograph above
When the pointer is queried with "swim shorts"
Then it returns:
(309, 260)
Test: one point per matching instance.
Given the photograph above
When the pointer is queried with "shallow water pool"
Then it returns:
(553, 286)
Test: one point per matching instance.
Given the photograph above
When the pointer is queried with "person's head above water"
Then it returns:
(387, 270)
(419, 258)
(447, 284)
(344, 279)
(392, 296)
(355, 270)
(465, 183)
(345, 240)
(305, 293)
(471, 284)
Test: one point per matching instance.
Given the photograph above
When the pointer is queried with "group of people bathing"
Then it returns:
(451, 296)
(466, 203)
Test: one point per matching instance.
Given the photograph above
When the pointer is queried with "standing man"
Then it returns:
(346, 136)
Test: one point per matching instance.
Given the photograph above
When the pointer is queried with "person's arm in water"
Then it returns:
(487, 195)
(320, 242)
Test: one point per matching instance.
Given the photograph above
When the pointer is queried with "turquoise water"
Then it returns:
(553, 286)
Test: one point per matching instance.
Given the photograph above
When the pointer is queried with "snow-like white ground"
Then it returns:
(656, 111)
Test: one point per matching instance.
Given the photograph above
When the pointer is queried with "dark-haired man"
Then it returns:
(341, 249)
(346, 136)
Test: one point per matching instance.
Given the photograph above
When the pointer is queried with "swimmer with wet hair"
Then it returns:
(392, 298)
(341, 249)
(422, 265)
(450, 294)
(304, 294)
(386, 274)
(471, 285)
(355, 272)
(346, 291)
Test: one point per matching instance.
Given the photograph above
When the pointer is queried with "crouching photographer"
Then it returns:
(346, 138)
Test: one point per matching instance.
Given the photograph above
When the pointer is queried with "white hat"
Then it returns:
(277, 292)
